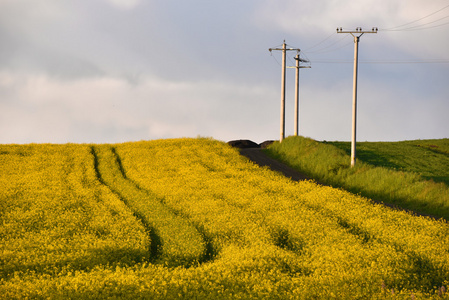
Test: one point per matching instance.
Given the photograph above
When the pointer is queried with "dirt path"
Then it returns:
(257, 156)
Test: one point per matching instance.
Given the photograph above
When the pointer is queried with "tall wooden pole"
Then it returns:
(284, 50)
(297, 97)
(354, 101)
(297, 67)
(357, 33)
(282, 130)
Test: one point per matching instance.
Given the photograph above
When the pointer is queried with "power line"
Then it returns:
(333, 49)
(427, 61)
(316, 45)
(328, 48)
(396, 28)
(306, 57)
(423, 28)
(275, 59)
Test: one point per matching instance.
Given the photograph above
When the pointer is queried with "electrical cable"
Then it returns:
(304, 54)
(427, 61)
(314, 46)
(334, 49)
(422, 28)
(276, 60)
(324, 49)
(328, 48)
(409, 23)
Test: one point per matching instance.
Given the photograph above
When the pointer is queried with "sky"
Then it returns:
(111, 71)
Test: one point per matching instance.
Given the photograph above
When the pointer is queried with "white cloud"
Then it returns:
(301, 16)
(124, 4)
(323, 16)
(105, 71)
(112, 109)
(315, 20)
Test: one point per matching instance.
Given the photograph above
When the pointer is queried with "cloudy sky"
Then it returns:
(111, 71)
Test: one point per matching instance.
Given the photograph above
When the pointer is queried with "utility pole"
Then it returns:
(357, 33)
(297, 67)
(284, 50)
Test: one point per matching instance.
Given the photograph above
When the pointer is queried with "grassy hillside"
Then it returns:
(411, 174)
(428, 158)
(192, 219)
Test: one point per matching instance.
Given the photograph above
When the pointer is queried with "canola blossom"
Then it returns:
(191, 218)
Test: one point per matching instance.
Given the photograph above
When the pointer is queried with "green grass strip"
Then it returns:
(404, 187)
(175, 241)
(428, 158)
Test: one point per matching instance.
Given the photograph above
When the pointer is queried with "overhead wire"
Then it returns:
(333, 49)
(410, 26)
(426, 61)
(420, 27)
(326, 48)
(274, 57)
(398, 28)
(316, 45)
(305, 55)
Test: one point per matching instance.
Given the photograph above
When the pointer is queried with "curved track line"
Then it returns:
(174, 240)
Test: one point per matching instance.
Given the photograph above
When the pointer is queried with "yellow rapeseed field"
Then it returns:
(191, 218)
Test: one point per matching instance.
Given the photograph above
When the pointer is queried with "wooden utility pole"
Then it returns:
(297, 95)
(297, 67)
(284, 50)
(356, 34)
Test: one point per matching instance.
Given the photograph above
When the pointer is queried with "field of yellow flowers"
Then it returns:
(191, 218)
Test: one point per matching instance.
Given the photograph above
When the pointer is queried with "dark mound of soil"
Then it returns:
(265, 144)
(243, 144)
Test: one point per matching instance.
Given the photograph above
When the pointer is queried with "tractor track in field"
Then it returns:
(157, 246)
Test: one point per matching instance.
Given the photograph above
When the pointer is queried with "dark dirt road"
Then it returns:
(257, 156)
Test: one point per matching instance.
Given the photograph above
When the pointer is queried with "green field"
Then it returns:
(410, 174)
(428, 158)
(193, 219)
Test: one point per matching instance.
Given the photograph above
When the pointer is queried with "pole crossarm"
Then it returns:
(287, 49)
(358, 30)
(301, 67)
(284, 49)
